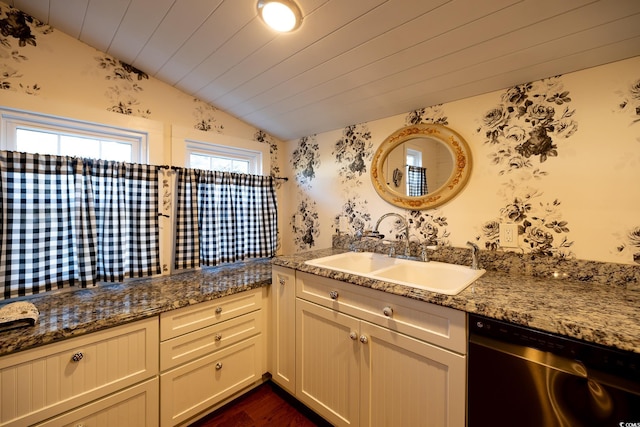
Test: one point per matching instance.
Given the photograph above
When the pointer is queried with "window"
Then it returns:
(43, 134)
(214, 157)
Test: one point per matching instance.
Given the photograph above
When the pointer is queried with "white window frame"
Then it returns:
(253, 157)
(11, 120)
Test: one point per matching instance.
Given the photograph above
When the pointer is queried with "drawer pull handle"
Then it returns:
(363, 339)
(77, 357)
(333, 295)
(282, 281)
(353, 336)
(218, 310)
(387, 311)
(218, 366)
(218, 337)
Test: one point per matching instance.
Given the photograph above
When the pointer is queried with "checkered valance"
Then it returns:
(69, 221)
(236, 217)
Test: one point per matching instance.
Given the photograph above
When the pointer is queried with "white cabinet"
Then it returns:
(136, 406)
(46, 381)
(366, 358)
(328, 362)
(282, 363)
(209, 352)
(408, 382)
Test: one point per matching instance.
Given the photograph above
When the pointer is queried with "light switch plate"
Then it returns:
(508, 235)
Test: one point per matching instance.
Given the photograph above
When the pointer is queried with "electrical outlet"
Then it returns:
(343, 223)
(508, 235)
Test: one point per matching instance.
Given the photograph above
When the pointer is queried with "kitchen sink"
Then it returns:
(440, 277)
(433, 276)
(354, 262)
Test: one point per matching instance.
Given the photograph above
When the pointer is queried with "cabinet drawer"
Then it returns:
(134, 407)
(199, 385)
(442, 326)
(43, 382)
(189, 319)
(190, 346)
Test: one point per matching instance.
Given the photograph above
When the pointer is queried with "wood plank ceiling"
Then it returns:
(351, 60)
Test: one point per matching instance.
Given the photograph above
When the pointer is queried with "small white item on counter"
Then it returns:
(17, 315)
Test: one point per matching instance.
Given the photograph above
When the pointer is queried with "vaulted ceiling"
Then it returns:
(351, 60)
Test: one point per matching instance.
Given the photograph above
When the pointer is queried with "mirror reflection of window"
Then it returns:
(416, 174)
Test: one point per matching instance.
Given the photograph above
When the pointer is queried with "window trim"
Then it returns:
(254, 157)
(181, 137)
(13, 119)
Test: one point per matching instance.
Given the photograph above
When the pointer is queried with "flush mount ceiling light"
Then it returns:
(281, 15)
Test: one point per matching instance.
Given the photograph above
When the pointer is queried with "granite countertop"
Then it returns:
(602, 314)
(70, 313)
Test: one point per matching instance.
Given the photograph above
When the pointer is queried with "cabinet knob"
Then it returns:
(218, 337)
(387, 311)
(353, 336)
(77, 357)
(333, 295)
(363, 339)
(218, 310)
(282, 281)
(218, 366)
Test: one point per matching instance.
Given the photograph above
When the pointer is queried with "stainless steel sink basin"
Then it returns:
(444, 278)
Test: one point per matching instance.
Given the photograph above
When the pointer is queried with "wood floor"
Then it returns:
(266, 405)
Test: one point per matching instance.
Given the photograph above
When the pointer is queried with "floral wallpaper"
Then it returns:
(19, 33)
(630, 105)
(526, 129)
(431, 115)
(305, 220)
(352, 153)
(305, 223)
(122, 94)
(305, 161)
(264, 138)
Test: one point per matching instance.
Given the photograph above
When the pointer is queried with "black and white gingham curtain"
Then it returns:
(126, 210)
(236, 216)
(417, 181)
(68, 221)
(187, 235)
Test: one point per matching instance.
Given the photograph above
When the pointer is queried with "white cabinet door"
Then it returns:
(409, 382)
(283, 328)
(328, 363)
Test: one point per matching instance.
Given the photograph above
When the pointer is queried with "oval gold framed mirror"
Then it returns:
(421, 166)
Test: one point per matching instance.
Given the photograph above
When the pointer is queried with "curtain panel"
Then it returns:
(126, 201)
(236, 216)
(417, 180)
(68, 221)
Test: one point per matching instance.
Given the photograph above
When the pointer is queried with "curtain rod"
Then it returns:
(283, 178)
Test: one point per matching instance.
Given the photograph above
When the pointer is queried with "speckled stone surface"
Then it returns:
(550, 299)
(72, 313)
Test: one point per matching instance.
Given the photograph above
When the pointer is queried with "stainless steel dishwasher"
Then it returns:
(523, 377)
